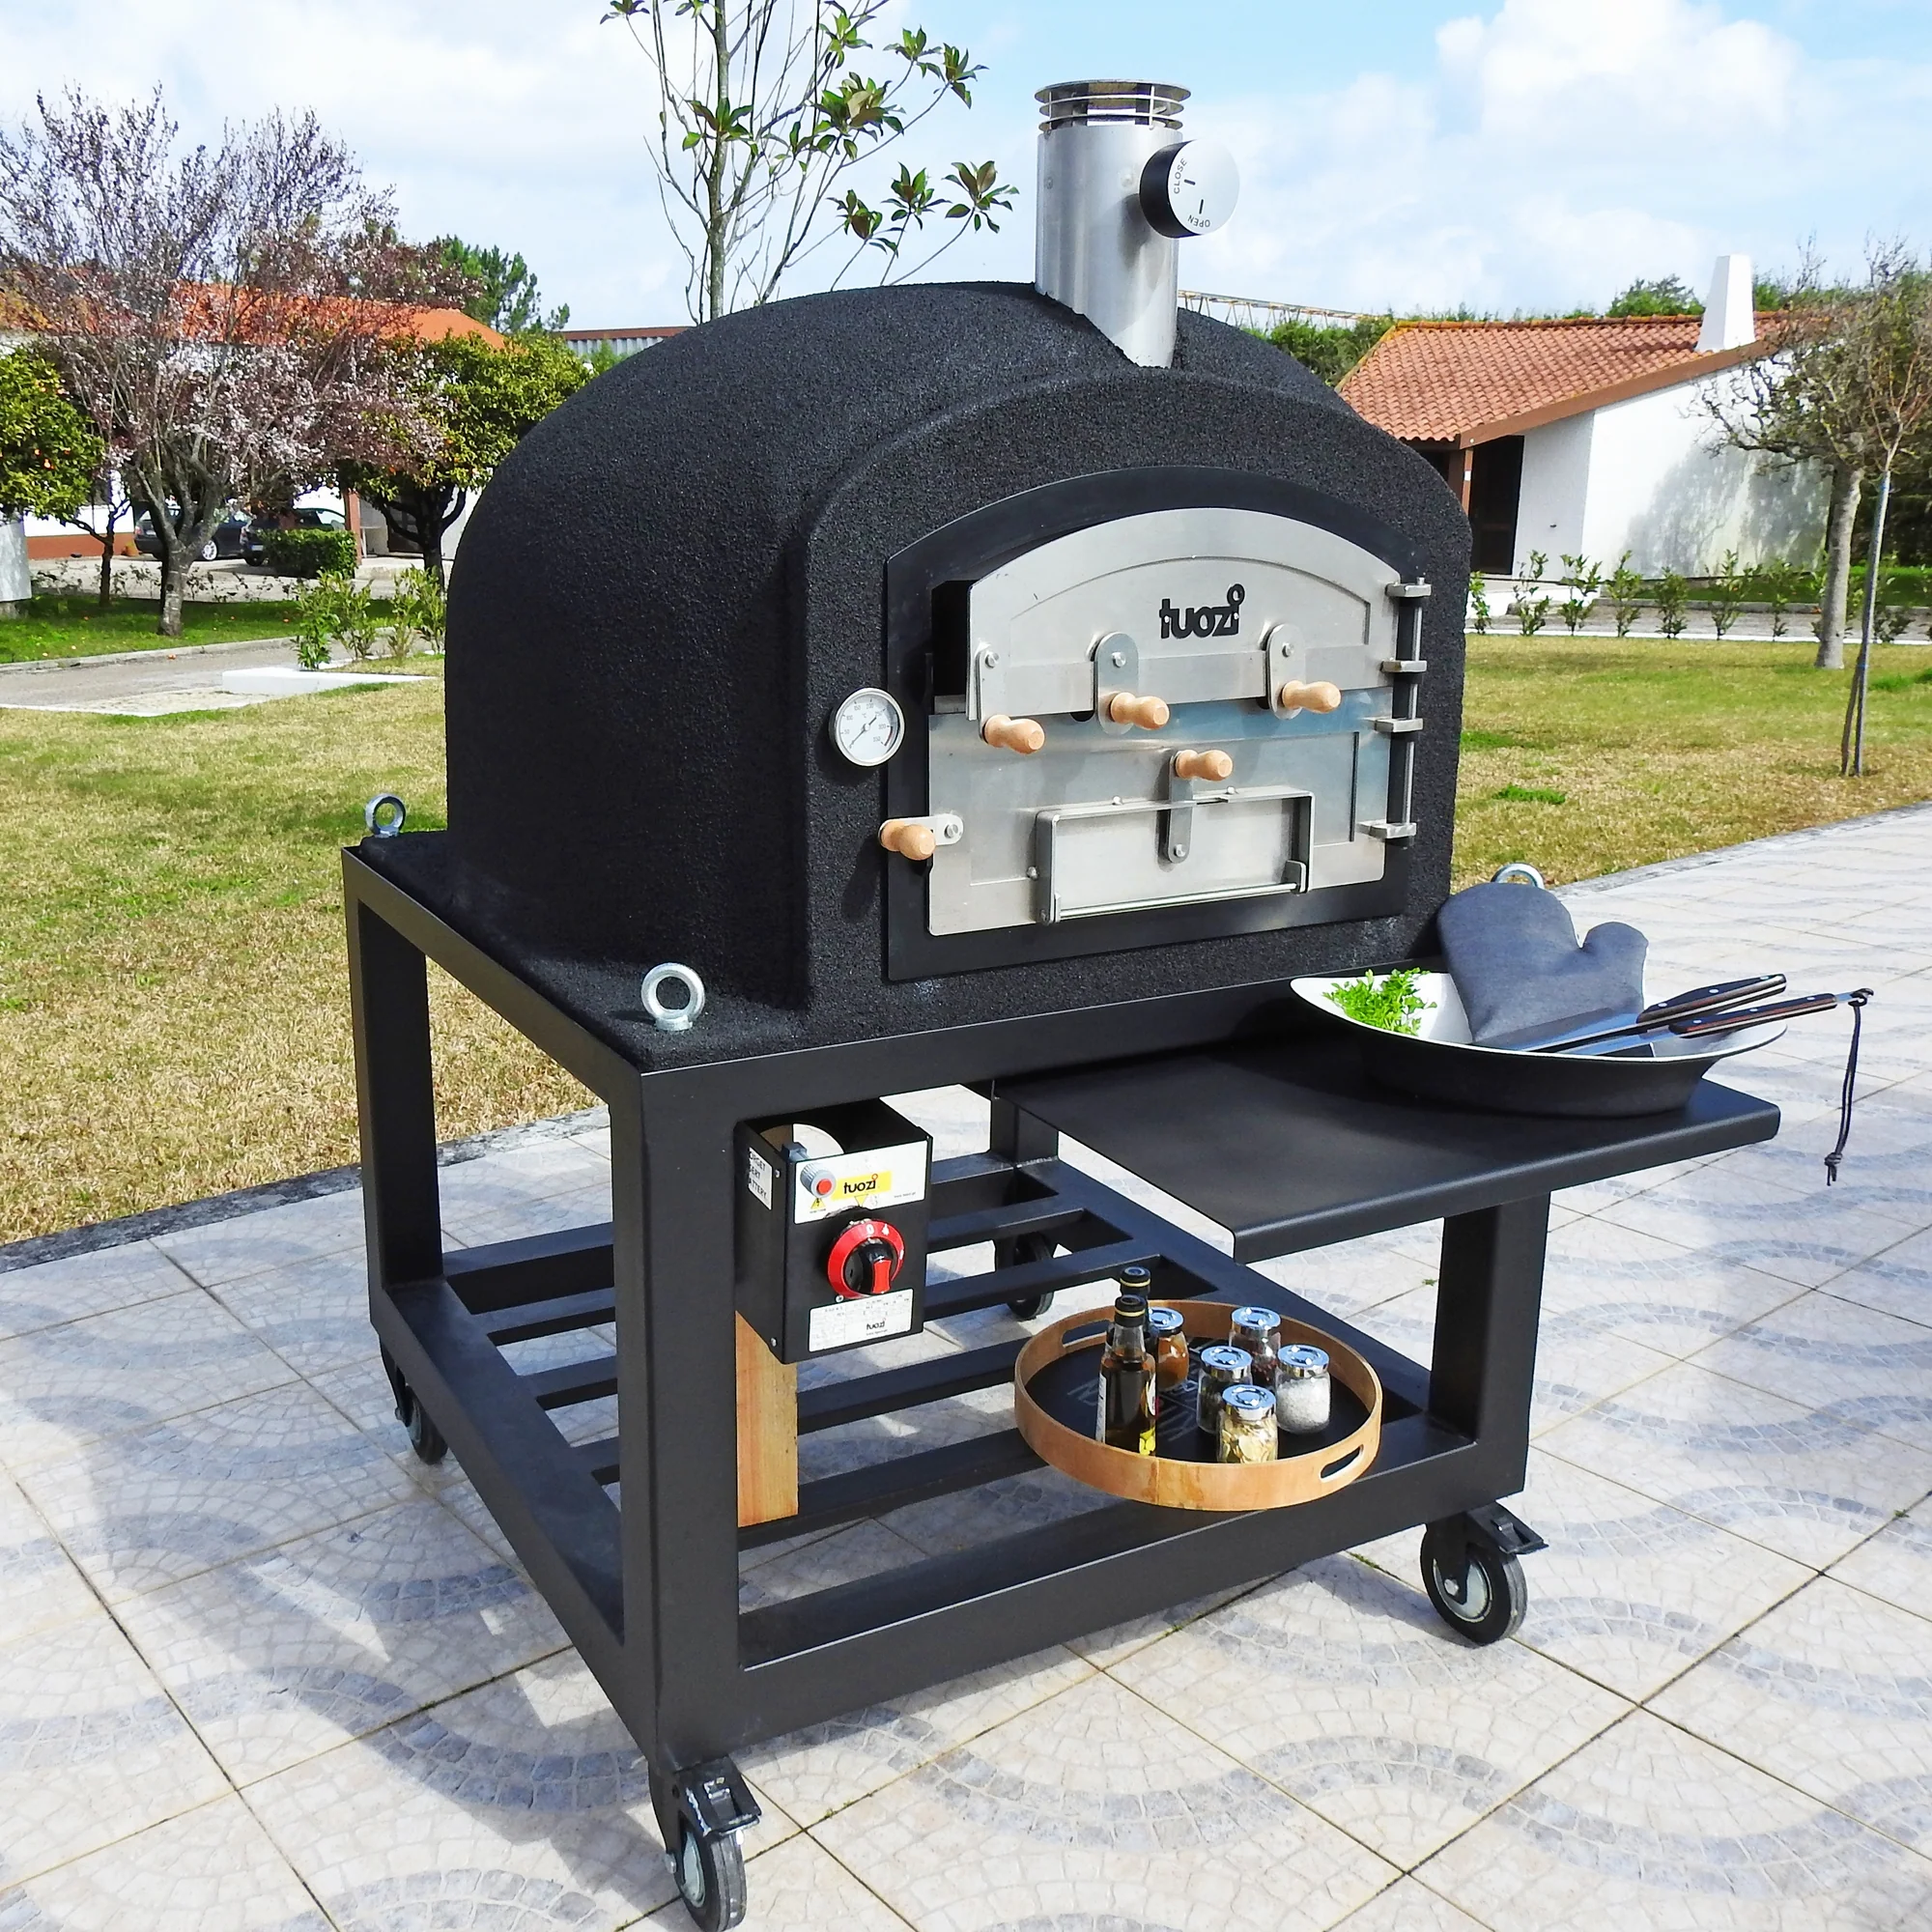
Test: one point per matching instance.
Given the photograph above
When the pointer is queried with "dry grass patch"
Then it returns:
(174, 1014)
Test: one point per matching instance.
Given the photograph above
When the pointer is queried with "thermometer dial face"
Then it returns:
(868, 727)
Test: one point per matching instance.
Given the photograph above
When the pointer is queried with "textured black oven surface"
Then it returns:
(667, 588)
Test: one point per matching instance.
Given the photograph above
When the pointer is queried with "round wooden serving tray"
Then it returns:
(1052, 1403)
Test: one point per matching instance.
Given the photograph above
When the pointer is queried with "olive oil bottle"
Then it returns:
(1127, 1400)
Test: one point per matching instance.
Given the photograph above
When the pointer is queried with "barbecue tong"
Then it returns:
(1705, 1012)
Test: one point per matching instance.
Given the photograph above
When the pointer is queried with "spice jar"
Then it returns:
(1221, 1368)
(1247, 1432)
(1169, 1342)
(1301, 1388)
(1258, 1330)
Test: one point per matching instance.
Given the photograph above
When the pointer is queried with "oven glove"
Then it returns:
(1513, 954)
(1858, 1002)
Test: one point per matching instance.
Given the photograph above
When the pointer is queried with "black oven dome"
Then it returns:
(676, 575)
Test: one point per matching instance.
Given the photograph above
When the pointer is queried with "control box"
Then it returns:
(830, 1223)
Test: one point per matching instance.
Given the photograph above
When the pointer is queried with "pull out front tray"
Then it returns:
(1287, 1144)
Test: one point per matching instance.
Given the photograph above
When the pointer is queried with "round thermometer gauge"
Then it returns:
(868, 727)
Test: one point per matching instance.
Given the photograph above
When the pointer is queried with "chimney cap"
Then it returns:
(1152, 103)
(1730, 318)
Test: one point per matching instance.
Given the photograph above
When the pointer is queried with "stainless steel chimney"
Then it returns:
(1118, 190)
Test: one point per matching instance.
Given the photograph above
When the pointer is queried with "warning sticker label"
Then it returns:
(878, 1177)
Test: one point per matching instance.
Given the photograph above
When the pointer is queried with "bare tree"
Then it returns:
(761, 117)
(226, 319)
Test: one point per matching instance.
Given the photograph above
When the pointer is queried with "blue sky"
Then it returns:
(1513, 154)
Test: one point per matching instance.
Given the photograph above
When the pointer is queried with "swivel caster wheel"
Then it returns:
(1021, 1249)
(704, 1812)
(710, 1879)
(425, 1437)
(1475, 1584)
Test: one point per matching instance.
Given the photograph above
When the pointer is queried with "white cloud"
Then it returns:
(1559, 148)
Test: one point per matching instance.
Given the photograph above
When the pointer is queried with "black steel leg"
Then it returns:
(389, 989)
(1020, 1138)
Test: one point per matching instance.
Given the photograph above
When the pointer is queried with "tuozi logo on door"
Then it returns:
(1204, 620)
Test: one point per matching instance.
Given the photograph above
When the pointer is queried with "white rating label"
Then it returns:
(881, 1177)
(870, 1319)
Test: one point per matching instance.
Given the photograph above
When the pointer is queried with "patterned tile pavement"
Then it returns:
(261, 1671)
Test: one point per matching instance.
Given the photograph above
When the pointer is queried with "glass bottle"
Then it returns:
(1170, 1348)
(1258, 1330)
(1127, 1401)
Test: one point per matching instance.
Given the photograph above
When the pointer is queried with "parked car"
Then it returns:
(253, 546)
(225, 539)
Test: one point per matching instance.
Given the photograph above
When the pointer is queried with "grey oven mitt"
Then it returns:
(1513, 954)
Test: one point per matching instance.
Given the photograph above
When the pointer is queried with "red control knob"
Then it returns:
(865, 1258)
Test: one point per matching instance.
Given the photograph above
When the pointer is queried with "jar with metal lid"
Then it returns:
(1247, 1429)
(1221, 1368)
(1169, 1341)
(1301, 1388)
(1258, 1330)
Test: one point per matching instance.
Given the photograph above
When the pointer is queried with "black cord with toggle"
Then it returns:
(1858, 1002)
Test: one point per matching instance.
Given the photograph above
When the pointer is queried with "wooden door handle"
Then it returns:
(1149, 713)
(907, 837)
(1203, 765)
(1293, 696)
(1013, 734)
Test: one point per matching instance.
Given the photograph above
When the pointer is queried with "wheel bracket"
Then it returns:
(714, 1799)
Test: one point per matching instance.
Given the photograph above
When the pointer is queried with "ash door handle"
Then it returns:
(1023, 735)
(1294, 697)
(1150, 714)
(1214, 765)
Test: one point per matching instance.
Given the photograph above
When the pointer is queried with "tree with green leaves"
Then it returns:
(483, 399)
(506, 295)
(1833, 390)
(1667, 295)
(764, 116)
(48, 455)
(1330, 350)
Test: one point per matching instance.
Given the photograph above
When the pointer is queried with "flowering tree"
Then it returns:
(231, 321)
(762, 115)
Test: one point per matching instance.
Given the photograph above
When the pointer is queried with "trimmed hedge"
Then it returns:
(308, 553)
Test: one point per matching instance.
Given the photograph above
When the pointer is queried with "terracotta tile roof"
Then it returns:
(1466, 381)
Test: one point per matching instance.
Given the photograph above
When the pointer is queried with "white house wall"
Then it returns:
(1664, 485)
(1551, 506)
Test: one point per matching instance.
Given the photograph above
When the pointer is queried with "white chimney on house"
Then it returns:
(1729, 321)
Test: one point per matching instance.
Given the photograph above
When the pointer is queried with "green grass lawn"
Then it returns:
(72, 627)
(173, 1008)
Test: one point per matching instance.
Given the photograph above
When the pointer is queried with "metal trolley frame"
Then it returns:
(648, 1590)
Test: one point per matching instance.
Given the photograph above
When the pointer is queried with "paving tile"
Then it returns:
(269, 1238)
(163, 1504)
(39, 1586)
(956, 1119)
(83, 1284)
(1651, 1830)
(798, 1883)
(1745, 1221)
(1409, 1906)
(1896, 1564)
(521, 1805)
(212, 1869)
(511, 1216)
(1342, 1686)
(815, 1772)
(91, 1750)
(1896, 1282)
(1804, 1482)
(822, 1563)
(1355, 1276)
(1832, 1691)
(1650, 1291)
(1629, 1592)
(287, 1654)
(1577, 1362)
(1119, 1641)
(62, 1388)
(1840, 1360)
(315, 1315)
(1098, 1810)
